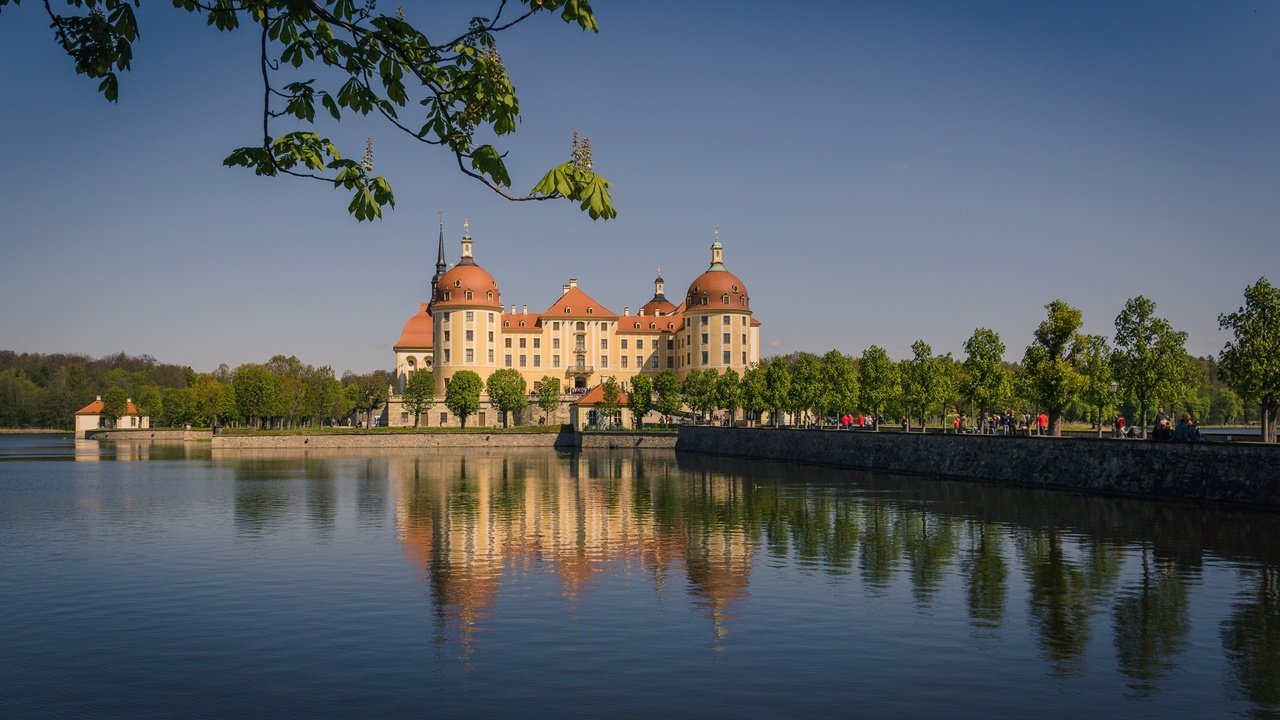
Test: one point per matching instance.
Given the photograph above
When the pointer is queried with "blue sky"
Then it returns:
(902, 170)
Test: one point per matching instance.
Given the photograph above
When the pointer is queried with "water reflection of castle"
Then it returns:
(469, 521)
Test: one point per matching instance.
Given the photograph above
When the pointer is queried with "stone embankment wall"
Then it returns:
(150, 434)
(627, 441)
(1237, 474)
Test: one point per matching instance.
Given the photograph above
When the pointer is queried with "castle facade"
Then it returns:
(465, 326)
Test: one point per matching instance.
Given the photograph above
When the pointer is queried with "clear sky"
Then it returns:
(880, 173)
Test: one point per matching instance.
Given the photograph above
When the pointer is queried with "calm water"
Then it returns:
(163, 581)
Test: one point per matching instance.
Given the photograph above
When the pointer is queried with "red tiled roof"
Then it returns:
(575, 304)
(595, 396)
(511, 322)
(96, 407)
(419, 331)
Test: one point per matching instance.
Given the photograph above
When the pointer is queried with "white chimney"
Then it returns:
(573, 282)
(564, 290)
(513, 308)
(524, 309)
(626, 311)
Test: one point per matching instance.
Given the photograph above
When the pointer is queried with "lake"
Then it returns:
(169, 580)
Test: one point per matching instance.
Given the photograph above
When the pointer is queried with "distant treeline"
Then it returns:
(45, 391)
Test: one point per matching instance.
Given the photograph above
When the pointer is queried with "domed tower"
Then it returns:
(719, 332)
(466, 313)
(659, 305)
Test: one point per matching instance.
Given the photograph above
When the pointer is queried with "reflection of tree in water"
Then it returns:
(1151, 624)
(1251, 639)
(880, 545)
(986, 574)
(1059, 601)
(929, 542)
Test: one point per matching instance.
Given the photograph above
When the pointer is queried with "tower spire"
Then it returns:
(440, 263)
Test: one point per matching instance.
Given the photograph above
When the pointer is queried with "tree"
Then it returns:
(987, 382)
(1250, 363)
(806, 393)
(1095, 365)
(1150, 358)
(419, 393)
(206, 401)
(640, 400)
(777, 383)
(507, 391)
(179, 406)
(115, 402)
(610, 401)
(149, 401)
(839, 382)
(926, 380)
(728, 393)
(754, 391)
(699, 391)
(879, 380)
(667, 387)
(443, 95)
(549, 394)
(1051, 379)
(462, 394)
(259, 396)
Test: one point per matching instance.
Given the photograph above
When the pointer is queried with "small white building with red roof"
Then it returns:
(92, 417)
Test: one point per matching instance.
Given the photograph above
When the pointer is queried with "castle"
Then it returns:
(464, 326)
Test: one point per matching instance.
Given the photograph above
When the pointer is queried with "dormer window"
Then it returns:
(506, 323)
(704, 299)
(591, 311)
(568, 310)
(469, 295)
(521, 323)
(490, 295)
(653, 326)
(724, 299)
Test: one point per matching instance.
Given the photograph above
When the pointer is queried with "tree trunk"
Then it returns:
(1268, 416)
(1055, 424)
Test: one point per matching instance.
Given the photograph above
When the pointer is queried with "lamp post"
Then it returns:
(1114, 386)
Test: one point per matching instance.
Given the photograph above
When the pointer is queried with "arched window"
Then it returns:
(491, 295)
(521, 323)
(653, 326)
(569, 310)
(704, 299)
(724, 299)
(506, 323)
(591, 311)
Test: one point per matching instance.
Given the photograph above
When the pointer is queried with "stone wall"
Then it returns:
(630, 441)
(118, 434)
(1240, 474)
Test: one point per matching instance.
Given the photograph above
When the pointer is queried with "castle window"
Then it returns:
(705, 320)
(704, 300)
(506, 323)
(537, 361)
(523, 342)
(446, 335)
(446, 356)
(604, 361)
(582, 327)
(537, 343)
(653, 362)
(591, 311)
(521, 323)
(506, 342)
(471, 335)
(555, 343)
(604, 343)
(490, 356)
(457, 283)
(735, 288)
(490, 294)
(523, 359)
(555, 361)
(471, 355)
(468, 295)
(744, 300)
(555, 325)
(725, 319)
(624, 343)
(490, 336)
(447, 295)
(704, 338)
(471, 316)
(704, 357)
(568, 310)
(725, 339)
(624, 361)
(507, 359)
(726, 357)
(653, 326)
(724, 299)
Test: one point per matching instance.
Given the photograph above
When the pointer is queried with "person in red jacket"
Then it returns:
(1043, 422)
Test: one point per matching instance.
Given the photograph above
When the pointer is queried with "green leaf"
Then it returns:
(486, 160)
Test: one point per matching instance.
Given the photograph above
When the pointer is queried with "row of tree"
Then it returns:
(1064, 373)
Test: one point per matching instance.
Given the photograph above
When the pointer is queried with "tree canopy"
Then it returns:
(462, 396)
(1050, 376)
(507, 391)
(419, 393)
(451, 92)
(1250, 363)
(1150, 358)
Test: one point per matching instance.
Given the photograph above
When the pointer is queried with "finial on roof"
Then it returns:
(466, 227)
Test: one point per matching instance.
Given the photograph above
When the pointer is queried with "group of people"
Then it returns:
(1002, 423)
(849, 422)
(1186, 431)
